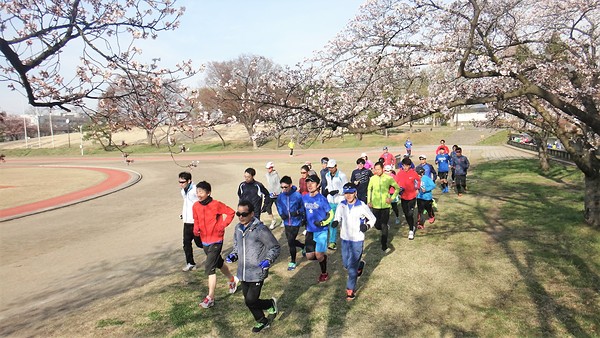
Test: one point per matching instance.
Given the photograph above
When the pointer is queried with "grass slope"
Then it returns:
(510, 258)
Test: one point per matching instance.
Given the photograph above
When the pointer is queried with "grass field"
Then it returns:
(510, 258)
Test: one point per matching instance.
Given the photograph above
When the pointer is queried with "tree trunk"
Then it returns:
(592, 201)
(542, 150)
(149, 137)
(221, 137)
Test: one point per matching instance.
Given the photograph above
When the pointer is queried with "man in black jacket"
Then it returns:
(254, 192)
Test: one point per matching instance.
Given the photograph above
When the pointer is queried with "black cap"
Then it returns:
(313, 178)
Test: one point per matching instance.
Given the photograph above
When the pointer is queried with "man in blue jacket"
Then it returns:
(291, 210)
(424, 199)
(256, 249)
(460, 164)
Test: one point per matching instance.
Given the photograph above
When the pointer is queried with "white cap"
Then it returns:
(388, 167)
(423, 156)
(269, 165)
(331, 163)
(363, 155)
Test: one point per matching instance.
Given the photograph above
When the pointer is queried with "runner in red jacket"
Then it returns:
(409, 180)
(211, 217)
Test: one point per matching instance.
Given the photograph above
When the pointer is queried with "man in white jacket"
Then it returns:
(274, 191)
(188, 192)
(355, 218)
(335, 183)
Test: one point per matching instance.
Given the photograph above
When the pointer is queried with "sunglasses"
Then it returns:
(242, 214)
(285, 186)
(182, 182)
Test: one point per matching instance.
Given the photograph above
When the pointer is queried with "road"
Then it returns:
(64, 260)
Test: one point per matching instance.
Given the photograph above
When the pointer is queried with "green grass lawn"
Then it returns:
(512, 257)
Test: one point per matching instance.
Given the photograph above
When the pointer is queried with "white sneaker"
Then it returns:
(233, 285)
(189, 267)
(411, 235)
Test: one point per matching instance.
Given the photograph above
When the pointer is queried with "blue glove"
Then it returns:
(231, 258)
(265, 264)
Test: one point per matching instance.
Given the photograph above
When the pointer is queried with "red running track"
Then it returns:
(115, 178)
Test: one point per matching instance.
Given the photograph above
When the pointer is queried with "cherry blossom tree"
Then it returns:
(143, 101)
(35, 34)
(398, 61)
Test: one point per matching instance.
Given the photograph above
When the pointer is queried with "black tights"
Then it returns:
(291, 232)
(408, 208)
(257, 306)
(381, 223)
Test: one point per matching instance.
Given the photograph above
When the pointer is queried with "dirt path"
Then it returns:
(62, 261)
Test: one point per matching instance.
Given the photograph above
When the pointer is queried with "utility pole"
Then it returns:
(68, 131)
(51, 129)
(25, 128)
(81, 135)
(38, 128)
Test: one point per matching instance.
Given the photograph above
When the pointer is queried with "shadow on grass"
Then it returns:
(526, 211)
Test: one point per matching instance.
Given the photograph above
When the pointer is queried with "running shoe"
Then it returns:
(291, 266)
(323, 277)
(233, 285)
(273, 311)
(189, 267)
(411, 235)
(332, 246)
(350, 295)
(420, 226)
(361, 267)
(207, 302)
(431, 220)
(259, 326)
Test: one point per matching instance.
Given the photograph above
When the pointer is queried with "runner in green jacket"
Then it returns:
(379, 199)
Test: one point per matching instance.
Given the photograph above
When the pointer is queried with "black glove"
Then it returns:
(320, 224)
(364, 227)
(284, 217)
(295, 213)
(231, 258)
(326, 192)
(333, 192)
(335, 224)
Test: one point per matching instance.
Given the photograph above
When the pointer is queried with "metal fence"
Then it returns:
(556, 153)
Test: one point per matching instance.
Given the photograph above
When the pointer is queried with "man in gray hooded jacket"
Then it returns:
(256, 249)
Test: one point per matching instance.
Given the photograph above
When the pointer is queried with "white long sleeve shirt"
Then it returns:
(349, 215)
(189, 198)
(336, 183)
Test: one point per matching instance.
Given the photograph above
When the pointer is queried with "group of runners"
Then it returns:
(323, 203)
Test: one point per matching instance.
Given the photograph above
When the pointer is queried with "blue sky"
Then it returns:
(285, 31)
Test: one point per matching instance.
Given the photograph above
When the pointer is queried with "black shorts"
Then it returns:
(214, 260)
(443, 175)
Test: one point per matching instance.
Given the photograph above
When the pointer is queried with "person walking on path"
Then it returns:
(324, 172)
(442, 146)
(408, 146)
(253, 191)
(461, 165)
(368, 163)
(425, 199)
(335, 182)
(291, 145)
(443, 162)
(388, 170)
(409, 182)
(211, 217)
(429, 169)
(188, 192)
(354, 218)
(388, 158)
(379, 199)
(291, 209)
(274, 190)
(318, 217)
(302, 181)
(256, 249)
(360, 177)
(452, 160)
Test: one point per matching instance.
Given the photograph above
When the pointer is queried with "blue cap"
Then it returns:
(349, 188)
